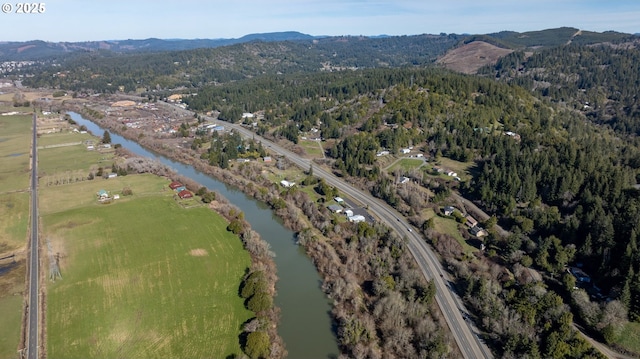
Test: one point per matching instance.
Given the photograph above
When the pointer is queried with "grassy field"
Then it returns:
(142, 277)
(450, 227)
(71, 158)
(65, 137)
(630, 337)
(15, 142)
(406, 164)
(312, 148)
(11, 314)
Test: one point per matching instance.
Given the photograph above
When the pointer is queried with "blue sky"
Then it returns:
(82, 20)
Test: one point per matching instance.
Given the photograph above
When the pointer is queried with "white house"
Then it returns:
(405, 151)
(452, 174)
(404, 180)
(357, 218)
(287, 184)
(348, 213)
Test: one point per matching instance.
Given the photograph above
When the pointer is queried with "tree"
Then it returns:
(106, 137)
(257, 345)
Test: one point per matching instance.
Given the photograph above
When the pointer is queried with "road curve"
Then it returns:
(32, 320)
(451, 306)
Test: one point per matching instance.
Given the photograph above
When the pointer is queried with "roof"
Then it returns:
(185, 194)
(335, 208)
(175, 185)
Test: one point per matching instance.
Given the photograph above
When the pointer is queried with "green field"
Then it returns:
(65, 137)
(14, 220)
(406, 164)
(15, 143)
(450, 227)
(312, 148)
(142, 277)
(11, 314)
(71, 158)
(630, 337)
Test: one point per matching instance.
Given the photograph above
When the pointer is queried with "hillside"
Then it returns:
(468, 58)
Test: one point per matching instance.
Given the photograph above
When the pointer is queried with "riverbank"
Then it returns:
(387, 276)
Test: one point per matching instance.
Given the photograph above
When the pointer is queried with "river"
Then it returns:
(305, 322)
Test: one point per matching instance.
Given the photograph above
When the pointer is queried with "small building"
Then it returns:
(471, 222)
(382, 153)
(405, 151)
(357, 218)
(267, 159)
(242, 160)
(185, 194)
(339, 200)
(452, 174)
(404, 180)
(181, 188)
(287, 184)
(112, 175)
(348, 213)
(116, 196)
(90, 147)
(478, 232)
(448, 210)
(335, 208)
(175, 184)
(102, 194)
(420, 155)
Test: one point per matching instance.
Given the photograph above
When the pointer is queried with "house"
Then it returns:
(102, 194)
(247, 115)
(478, 232)
(471, 222)
(185, 194)
(348, 213)
(90, 148)
(404, 180)
(405, 151)
(382, 153)
(452, 174)
(335, 208)
(242, 160)
(116, 196)
(357, 218)
(175, 184)
(420, 155)
(448, 210)
(287, 184)
(267, 159)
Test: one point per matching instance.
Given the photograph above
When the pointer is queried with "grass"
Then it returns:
(15, 142)
(406, 164)
(71, 158)
(11, 314)
(450, 227)
(629, 338)
(312, 148)
(14, 220)
(65, 137)
(461, 168)
(132, 286)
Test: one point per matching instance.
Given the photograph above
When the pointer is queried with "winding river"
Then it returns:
(305, 323)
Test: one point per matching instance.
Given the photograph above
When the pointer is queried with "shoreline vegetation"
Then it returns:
(382, 306)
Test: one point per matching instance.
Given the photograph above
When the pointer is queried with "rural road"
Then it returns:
(32, 309)
(451, 306)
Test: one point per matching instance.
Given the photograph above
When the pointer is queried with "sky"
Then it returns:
(91, 20)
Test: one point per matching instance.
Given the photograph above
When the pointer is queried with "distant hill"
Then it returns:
(468, 58)
(35, 50)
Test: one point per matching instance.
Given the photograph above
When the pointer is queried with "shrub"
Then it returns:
(257, 345)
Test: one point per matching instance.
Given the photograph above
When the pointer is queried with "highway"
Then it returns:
(32, 309)
(452, 308)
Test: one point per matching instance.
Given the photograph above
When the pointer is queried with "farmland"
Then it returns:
(142, 276)
(14, 216)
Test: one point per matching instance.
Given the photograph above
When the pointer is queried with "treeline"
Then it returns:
(107, 72)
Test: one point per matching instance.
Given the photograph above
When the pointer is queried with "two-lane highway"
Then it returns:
(468, 341)
(32, 309)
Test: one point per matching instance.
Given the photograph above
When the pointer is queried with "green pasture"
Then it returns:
(14, 220)
(143, 278)
(11, 314)
(629, 338)
(15, 146)
(406, 164)
(71, 158)
(451, 227)
(461, 168)
(60, 138)
(312, 148)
